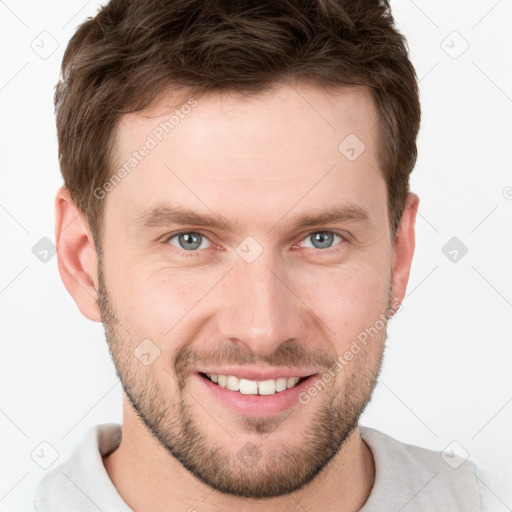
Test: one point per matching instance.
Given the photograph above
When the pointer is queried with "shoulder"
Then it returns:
(82, 482)
(418, 478)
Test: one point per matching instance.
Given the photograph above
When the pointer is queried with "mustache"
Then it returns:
(229, 353)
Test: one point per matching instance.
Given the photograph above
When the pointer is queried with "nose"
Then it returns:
(260, 307)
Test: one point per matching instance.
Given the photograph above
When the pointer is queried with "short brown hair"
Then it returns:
(133, 50)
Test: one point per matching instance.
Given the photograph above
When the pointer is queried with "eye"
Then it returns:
(188, 241)
(322, 239)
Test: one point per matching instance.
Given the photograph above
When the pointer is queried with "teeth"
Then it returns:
(267, 387)
(291, 382)
(253, 387)
(248, 387)
(233, 383)
(281, 384)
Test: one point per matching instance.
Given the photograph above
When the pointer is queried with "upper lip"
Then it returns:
(259, 373)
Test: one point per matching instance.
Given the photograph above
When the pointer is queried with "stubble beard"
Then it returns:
(254, 471)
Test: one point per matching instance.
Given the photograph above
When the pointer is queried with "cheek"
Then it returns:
(152, 300)
(347, 300)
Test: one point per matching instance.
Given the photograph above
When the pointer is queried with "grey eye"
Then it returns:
(322, 239)
(188, 241)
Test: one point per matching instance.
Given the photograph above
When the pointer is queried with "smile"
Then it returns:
(254, 387)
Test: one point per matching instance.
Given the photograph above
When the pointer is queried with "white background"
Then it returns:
(447, 372)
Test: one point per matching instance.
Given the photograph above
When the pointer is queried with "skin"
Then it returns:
(261, 161)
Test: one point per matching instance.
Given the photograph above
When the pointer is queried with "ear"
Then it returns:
(404, 247)
(76, 255)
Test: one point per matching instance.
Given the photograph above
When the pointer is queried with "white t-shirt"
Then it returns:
(407, 478)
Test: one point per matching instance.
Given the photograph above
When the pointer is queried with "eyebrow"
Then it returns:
(164, 215)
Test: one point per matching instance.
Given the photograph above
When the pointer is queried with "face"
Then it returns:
(267, 294)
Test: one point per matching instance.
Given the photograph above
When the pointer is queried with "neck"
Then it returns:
(147, 477)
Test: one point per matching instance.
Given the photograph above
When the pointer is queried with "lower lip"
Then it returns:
(257, 405)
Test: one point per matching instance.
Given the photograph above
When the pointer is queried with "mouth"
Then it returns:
(254, 387)
(255, 398)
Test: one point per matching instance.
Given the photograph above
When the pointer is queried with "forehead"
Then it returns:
(224, 152)
(307, 110)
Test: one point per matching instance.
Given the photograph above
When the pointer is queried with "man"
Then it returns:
(237, 213)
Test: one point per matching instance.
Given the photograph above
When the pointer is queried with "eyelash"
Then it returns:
(196, 253)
